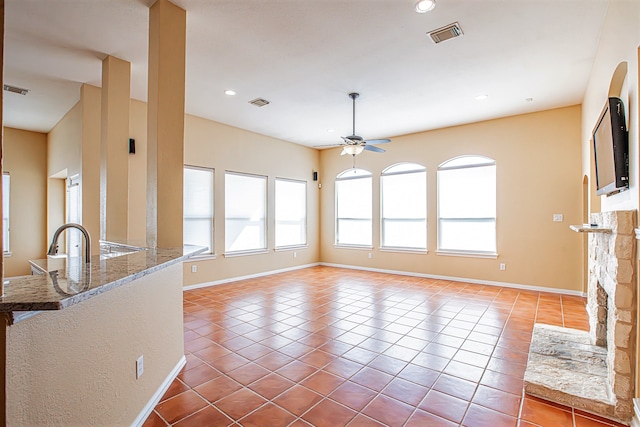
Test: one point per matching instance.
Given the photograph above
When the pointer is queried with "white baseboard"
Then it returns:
(635, 421)
(398, 272)
(250, 276)
(146, 411)
(460, 279)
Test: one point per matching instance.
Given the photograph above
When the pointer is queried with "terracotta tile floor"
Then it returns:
(333, 347)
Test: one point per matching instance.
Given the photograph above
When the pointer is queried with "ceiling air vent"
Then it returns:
(259, 102)
(446, 33)
(15, 89)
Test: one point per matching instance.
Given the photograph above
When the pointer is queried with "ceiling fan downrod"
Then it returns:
(354, 96)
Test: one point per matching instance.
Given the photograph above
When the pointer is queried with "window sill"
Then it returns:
(290, 248)
(245, 253)
(469, 254)
(404, 250)
(203, 257)
(359, 247)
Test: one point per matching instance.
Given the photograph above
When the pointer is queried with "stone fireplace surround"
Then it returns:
(594, 370)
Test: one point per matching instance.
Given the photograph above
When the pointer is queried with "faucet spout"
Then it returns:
(53, 248)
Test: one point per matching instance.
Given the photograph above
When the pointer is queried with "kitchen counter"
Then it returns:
(68, 281)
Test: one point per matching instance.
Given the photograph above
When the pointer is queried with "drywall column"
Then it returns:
(90, 163)
(165, 124)
(114, 147)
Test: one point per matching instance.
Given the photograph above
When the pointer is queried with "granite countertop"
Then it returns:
(68, 281)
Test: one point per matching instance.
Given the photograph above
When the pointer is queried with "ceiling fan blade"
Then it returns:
(374, 149)
(377, 141)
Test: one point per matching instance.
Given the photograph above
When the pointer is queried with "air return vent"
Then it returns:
(445, 33)
(15, 89)
(259, 102)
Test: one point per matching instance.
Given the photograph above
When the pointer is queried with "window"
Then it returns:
(198, 207)
(291, 213)
(74, 236)
(6, 192)
(467, 205)
(245, 213)
(404, 206)
(353, 208)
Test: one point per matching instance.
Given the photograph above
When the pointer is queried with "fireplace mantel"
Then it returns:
(588, 228)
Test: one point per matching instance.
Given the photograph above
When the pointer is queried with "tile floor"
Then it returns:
(333, 347)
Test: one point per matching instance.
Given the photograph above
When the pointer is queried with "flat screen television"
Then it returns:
(611, 149)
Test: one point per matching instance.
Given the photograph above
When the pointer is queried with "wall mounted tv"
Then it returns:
(611, 149)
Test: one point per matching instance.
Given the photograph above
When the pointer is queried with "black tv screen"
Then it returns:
(611, 149)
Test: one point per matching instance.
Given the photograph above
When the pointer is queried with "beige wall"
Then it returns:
(90, 97)
(77, 366)
(222, 147)
(73, 147)
(619, 42)
(25, 158)
(64, 144)
(138, 174)
(538, 174)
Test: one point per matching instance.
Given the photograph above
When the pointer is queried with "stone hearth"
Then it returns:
(594, 370)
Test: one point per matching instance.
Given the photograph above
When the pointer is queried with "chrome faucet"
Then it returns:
(53, 249)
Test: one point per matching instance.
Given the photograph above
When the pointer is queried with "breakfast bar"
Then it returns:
(93, 343)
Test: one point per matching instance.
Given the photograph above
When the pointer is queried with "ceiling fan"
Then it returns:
(355, 144)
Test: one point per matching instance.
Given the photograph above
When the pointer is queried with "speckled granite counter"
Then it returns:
(70, 281)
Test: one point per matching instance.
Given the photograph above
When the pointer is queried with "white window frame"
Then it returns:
(210, 217)
(397, 170)
(263, 222)
(6, 214)
(488, 162)
(343, 177)
(301, 221)
(74, 242)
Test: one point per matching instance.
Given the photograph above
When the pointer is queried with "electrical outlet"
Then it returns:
(503, 266)
(295, 255)
(370, 255)
(139, 366)
(557, 218)
(194, 268)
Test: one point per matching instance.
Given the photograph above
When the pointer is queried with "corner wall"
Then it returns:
(538, 174)
(225, 148)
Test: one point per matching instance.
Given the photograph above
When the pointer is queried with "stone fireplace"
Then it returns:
(594, 370)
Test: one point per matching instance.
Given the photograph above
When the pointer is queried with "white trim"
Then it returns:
(459, 279)
(146, 411)
(202, 257)
(635, 421)
(290, 248)
(250, 276)
(403, 250)
(357, 247)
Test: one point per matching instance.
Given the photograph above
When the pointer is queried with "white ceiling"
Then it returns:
(305, 56)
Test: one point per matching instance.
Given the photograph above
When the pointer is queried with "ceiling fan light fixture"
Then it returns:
(354, 150)
(424, 6)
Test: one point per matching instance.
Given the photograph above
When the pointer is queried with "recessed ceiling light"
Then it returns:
(424, 6)
(331, 130)
(482, 97)
(229, 92)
